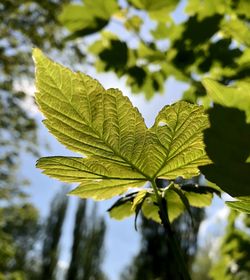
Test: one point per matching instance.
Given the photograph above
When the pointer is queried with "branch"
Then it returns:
(172, 242)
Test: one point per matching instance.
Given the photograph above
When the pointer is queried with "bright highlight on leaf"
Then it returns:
(119, 151)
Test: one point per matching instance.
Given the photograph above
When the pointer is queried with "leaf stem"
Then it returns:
(172, 242)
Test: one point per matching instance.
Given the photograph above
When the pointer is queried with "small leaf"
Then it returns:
(242, 205)
(198, 199)
(175, 205)
(150, 208)
(138, 202)
(183, 198)
(199, 196)
(122, 208)
(139, 198)
(238, 30)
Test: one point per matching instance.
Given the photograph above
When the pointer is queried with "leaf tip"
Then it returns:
(38, 163)
(36, 53)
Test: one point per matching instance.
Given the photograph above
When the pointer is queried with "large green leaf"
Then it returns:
(120, 152)
(85, 117)
(228, 146)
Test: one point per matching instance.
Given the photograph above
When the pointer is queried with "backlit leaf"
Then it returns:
(119, 151)
(122, 208)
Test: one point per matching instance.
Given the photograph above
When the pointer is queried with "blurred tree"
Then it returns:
(233, 260)
(23, 24)
(87, 247)
(154, 261)
(19, 229)
(53, 232)
(202, 263)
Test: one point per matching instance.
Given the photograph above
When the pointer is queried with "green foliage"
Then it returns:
(23, 23)
(202, 263)
(194, 48)
(19, 230)
(237, 29)
(179, 199)
(87, 18)
(241, 205)
(236, 96)
(233, 259)
(121, 151)
(156, 9)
